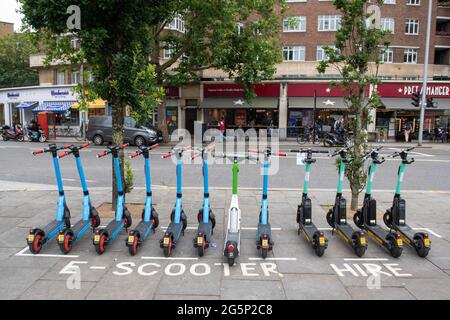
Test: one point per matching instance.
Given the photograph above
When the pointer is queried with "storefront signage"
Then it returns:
(222, 90)
(405, 90)
(13, 95)
(58, 93)
(307, 90)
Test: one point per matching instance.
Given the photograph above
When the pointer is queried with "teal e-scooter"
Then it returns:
(395, 217)
(150, 220)
(337, 216)
(104, 236)
(37, 237)
(306, 226)
(89, 218)
(366, 217)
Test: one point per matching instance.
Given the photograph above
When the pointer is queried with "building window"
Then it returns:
(168, 52)
(412, 26)
(294, 24)
(75, 43)
(294, 53)
(177, 24)
(75, 77)
(321, 54)
(387, 55)
(410, 55)
(388, 24)
(413, 2)
(329, 23)
(60, 77)
(389, 2)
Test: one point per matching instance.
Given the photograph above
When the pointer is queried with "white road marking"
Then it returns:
(429, 231)
(169, 258)
(255, 228)
(67, 179)
(366, 259)
(97, 268)
(22, 253)
(273, 259)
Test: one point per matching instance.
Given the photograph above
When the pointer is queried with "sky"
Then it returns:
(8, 13)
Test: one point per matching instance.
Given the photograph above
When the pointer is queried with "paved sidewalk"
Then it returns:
(292, 271)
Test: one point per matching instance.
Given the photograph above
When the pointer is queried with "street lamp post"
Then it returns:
(425, 73)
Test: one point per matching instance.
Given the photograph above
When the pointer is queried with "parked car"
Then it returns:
(100, 131)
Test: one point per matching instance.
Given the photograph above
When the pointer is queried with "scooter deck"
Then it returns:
(113, 228)
(144, 228)
(346, 231)
(80, 228)
(176, 229)
(264, 229)
(308, 230)
(206, 229)
(379, 234)
(52, 229)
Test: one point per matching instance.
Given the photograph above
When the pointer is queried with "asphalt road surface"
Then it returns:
(431, 171)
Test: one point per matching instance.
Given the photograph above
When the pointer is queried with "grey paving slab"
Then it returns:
(8, 252)
(251, 290)
(56, 290)
(429, 289)
(17, 279)
(186, 283)
(185, 297)
(8, 223)
(314, 287)
(385, 293)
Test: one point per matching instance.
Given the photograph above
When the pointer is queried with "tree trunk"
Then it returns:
(162, 120)
(355, 200)
(118, 114)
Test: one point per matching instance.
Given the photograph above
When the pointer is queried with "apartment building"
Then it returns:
(6, 28)
(287, 101)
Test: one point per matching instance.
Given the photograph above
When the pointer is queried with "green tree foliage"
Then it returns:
(15, 71)
(356, 56)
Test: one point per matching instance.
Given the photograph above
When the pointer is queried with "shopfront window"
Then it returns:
(172, 119)
(70, 118)
(14, 113)
(243, 118)
(2, 114)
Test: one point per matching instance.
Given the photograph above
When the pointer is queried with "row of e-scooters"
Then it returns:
(365, 218)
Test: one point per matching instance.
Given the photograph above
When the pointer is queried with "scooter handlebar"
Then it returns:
(35, 153)
(123, 146)
(84, 145)
(166, 155)
(102, 154)
(282, 154)
(153, 146)
(63, 155)
(134, 155)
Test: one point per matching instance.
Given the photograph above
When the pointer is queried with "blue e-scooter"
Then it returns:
(104, 236)
(70, 235)
(395, 217)
(150, 220)
(264, 241)
(37, 237)
(205, 217)
(178, 219)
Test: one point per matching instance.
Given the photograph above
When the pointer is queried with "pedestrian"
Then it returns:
(407, 130)
(222, 127)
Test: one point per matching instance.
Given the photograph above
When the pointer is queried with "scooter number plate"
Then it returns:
(166, 241)
(200, 240)
(363, 241)
(427, 242)
(322, 240)
(97, 238)
(131, 239)
(265, 243)
(31, 237)
(400, 242)
(61, 238)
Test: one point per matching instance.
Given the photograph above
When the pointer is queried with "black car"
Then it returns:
(100, 131)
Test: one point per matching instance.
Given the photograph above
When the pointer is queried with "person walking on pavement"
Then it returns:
(407, 130)
(222, 127)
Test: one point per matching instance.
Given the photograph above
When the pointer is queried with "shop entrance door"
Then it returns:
(2, 114)
(191, 117)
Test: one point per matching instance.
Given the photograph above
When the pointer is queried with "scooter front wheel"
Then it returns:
(387, 218)
(358, 218)
(330, 218)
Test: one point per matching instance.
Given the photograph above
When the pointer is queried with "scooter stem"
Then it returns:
(401, 172)
(118, 175)
(58, 175)
(341, 177)
(306, 181)
(235, 177)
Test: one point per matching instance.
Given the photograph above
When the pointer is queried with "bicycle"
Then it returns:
(309, 136)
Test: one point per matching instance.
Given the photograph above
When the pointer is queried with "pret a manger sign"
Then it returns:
(405, 90)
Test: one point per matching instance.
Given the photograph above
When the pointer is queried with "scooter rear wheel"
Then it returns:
(358, 248)
(230, 262)
(419, 245)
(319, 250)
(133, 249)
(66, 245)
(100, 247)
(202, 248)
(36, 246)
(264, 252)
(168, 249)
